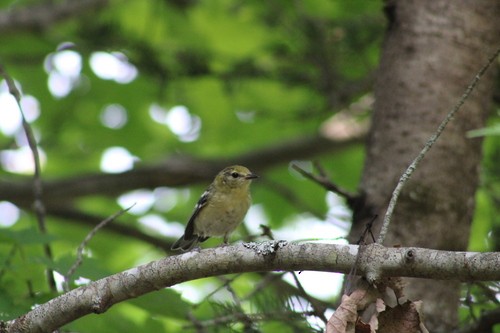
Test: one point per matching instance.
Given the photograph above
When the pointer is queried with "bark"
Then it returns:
(432, 50)
(98, 296)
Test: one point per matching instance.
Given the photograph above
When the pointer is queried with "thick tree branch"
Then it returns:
(46, 14)
(100, 295)
(74, 216)
(176, 171)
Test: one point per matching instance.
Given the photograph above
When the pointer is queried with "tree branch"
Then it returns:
(46, 14)
(176, 171)
(323, 181)
(38, 204)
(99, 296)
(84, 243)
(76, 216)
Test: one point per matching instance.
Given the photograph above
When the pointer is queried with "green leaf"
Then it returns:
(482, 223)
(487, 131)
(28, 236)
(165, 302)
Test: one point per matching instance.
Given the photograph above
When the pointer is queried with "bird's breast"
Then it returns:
(219, 218)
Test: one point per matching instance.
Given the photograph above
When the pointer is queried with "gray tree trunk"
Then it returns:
(432, 50)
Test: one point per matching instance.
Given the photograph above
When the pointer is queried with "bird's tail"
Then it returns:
(186, 244)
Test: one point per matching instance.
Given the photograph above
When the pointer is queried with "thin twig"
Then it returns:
(83, 244)
(318, 311)
(484, 323)
(245, 319)
(409, 171)
(289, 195)
(323, 181)
(197, 324)
(352, 276)
(39, 207)
(284, 317)
(72, 215)
(469, 303)
(367, 231)
(490, 292)
(321, 170)
(267, 279)
(216, 290)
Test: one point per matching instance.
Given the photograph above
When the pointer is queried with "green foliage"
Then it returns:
(122, 318)
(479, 299)
(485, 231)
(485, 235)
(252, 74)
(154, 303)
(25, 237)
(483, 223)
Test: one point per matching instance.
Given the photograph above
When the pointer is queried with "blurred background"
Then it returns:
(142, 102)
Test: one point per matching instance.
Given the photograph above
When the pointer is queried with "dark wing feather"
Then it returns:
(189, 233)
(189, 239)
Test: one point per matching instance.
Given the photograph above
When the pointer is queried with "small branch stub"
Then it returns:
(369, 261)
(410, 256)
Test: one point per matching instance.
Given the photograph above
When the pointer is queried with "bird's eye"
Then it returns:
(234, 175)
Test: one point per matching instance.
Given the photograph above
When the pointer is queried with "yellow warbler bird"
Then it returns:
(220, 209)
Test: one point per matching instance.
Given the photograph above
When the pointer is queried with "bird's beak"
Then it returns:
(251, 176)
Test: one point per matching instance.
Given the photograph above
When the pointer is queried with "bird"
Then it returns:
(220, 209)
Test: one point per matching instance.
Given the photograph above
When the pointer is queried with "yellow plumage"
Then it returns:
(220, 209)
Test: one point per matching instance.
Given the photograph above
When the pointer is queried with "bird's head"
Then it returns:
(236, 176)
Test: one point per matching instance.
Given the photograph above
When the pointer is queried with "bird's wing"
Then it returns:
(188, 234)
